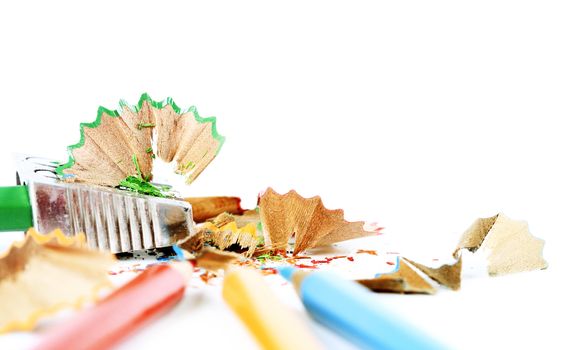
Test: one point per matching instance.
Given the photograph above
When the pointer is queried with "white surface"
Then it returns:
(421, 116)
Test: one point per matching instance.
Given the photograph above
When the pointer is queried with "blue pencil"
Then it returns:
(352, 311)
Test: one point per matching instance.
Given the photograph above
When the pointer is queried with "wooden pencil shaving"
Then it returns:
(312, 224)
(45, 273)
(214, 260)
(246, 217)
(507, 243)
(205, 208)
(193, 243)
(448, 275)
(405, 280)
(122, 144)
(223, 232)
(386, 284)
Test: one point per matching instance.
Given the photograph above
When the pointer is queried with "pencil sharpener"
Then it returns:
(112, 219)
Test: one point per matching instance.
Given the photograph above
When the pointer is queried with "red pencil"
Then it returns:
(154, 291)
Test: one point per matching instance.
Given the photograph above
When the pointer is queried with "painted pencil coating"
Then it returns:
(273, 325)
(354, 312)
(155, 290)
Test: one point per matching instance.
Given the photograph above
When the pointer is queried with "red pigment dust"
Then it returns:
(317, 262)
(327, 261)
(303, 266)
(269, 271)
(294, 259)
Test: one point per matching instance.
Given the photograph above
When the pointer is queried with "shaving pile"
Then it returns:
(119, 149)
(45, 273)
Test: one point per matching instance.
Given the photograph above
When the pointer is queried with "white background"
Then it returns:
(422, 116)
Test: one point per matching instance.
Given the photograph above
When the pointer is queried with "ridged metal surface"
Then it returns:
(111, 219)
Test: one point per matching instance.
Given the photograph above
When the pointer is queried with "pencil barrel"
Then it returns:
(357, 314)
(273, 325)
(15, 209)
(152, 292)
(205, 208)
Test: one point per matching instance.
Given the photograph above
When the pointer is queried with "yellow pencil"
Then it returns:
(272, 324)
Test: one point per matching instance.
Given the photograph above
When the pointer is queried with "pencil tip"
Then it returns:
(286, 272)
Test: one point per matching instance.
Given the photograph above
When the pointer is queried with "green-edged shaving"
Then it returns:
(151, 129)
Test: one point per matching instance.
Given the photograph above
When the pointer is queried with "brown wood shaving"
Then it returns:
(46, 273)
(405, 281)
(509, 245)
(193, 243)
(446, 275)
(214, 260)
(313, 225)
(364, 251)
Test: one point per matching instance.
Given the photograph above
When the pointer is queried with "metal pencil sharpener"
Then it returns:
(112, 219)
